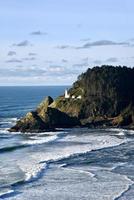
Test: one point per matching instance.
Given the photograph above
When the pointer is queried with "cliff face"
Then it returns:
(107, 100)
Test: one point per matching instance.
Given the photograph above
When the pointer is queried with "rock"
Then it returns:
(45, 118)
(126, 117)
(56, 119)
(69, 106)
(30, 123)
(44, 104)
(106, 101)
(105, 95)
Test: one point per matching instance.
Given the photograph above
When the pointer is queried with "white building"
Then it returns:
(67, 96)
(73, 97)
(79, 97)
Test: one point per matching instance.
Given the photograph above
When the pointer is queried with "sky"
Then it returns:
(51, 42)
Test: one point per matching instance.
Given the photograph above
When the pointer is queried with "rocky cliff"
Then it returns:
(107, 99)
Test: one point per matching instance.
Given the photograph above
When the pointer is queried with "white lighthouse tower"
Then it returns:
(67, 96)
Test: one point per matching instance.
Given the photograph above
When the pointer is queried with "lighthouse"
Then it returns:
(67, 96)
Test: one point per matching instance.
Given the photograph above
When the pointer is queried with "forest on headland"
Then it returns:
(107, 100)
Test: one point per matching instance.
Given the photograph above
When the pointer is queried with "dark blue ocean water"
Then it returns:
(70, 164)
(16, 101)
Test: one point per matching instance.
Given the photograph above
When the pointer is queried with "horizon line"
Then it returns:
(34, 85)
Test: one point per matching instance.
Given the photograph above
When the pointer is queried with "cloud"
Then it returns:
(80, 65)
(34, 65)
(29, 59)
(131, 40)
(38, 33)
(109, 60)
(22, 71)
(31, 71)
(64, 60)
(63, 47)
(51, 73)
(11, 53)
(102, 43)
(85, 39)
(84, 64)
(112, 59)
(24, 43)
(85, 59)
(97, 62)
(32, 54)
(14, 60)
(48, 61)
(56, 68)
(97, 43)
(58, 71)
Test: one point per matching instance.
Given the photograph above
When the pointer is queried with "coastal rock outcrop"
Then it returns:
(45, 118)
(107, 100)
(30, 123)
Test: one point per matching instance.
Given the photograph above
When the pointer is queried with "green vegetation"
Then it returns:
(107, 100)
(107, 90)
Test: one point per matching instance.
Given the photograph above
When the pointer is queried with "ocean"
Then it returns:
(70, 164)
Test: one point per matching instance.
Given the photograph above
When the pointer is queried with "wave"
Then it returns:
(121, 133)
(28, 140)
(68, 152)
(12, 119)
(5, 191)
(34, 172)
(11, 148)
(41, 138)
(130, 132)
(80, 171)
(7, 122)
(31, 165)
(35, 162)
(126, 189)
(34, 140)
(42, 159)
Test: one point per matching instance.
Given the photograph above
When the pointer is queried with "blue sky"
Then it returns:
(50, 42)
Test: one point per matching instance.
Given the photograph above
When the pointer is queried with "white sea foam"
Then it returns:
(116, 129)
(33, 164)
(103, 184)
(81, 171)
(6, 123)
(30, 164)
(41, 138)
(8, 119)
(5, 191)
(6, 131)
(33, 171)
(121, 133)
(36, 140)
(130, 132)
(63, 183)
